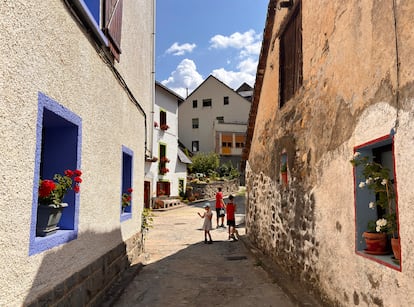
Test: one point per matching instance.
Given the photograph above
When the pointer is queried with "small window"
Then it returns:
(376, 206)
(194, 104)
(290, 57)
(207, 102)
(163, 169)
(220, 119)
(195, 146)
(226, 100)
(226, 144)
(126, 194)
(239, 145)
(59, 130)
(163, 118)
(195, 123)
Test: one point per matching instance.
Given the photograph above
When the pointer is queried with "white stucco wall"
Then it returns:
(168, 102)
(236, 111)
(44, 50)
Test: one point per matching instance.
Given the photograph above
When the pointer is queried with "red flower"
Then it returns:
(46, 187)
(77, 172)
(69, 173)
(77, 179)
(76, 188)
(130, 190)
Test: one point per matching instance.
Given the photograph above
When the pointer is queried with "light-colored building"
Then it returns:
(76, 92)
(335, 78)
(167, 173)
(213, 118)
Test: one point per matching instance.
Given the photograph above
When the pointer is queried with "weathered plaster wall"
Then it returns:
(44, 50)
(348, 97)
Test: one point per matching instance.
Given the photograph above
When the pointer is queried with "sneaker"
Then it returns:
(205, 241)
(210, 242)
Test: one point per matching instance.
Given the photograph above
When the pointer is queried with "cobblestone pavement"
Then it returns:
(180, 270)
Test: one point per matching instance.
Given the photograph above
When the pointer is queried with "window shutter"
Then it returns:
(113, 25)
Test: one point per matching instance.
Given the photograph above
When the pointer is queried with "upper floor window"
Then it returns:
(220, 119)
(104, 17)
(226, 100)
(194, 104)
(163, 120)
(207, 102)
(291, 57)
(195, 123)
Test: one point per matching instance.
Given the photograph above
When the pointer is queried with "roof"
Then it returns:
(179, 98)
(182, 156)
(211, 77)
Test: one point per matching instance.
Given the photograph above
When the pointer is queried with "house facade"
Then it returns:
(76, 93)
(168, 172)
(213, 118)
(334, 82)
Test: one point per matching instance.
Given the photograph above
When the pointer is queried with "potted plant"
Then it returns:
(164, 170)
(164, 127)
(164, 160)
(50, 200)
(126, 199)
(378, 180)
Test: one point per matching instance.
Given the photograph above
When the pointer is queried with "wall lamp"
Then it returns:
(285, 4)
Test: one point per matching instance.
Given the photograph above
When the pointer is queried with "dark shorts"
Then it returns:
(231, 223)
(218, 212)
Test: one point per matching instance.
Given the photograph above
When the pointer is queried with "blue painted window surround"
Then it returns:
(127, 167)
(58, 147)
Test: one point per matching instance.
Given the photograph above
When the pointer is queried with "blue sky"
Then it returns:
(198, 38)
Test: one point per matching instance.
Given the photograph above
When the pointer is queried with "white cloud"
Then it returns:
(177, 49)
(184, 79)
(234, 79)
(246, 41)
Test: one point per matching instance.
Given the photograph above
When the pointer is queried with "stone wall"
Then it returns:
(352, 94)
(89, 286)
(209, 190)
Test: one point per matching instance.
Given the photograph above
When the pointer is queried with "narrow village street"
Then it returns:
(180, 270)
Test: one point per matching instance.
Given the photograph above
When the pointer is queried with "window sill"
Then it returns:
(387, 260)
(126, 216)
(40, 244)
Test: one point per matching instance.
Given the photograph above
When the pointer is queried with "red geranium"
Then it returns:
(53, 191)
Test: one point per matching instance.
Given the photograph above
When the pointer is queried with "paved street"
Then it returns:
(180, 270)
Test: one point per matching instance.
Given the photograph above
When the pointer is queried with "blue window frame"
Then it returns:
(58, 131)
(127, 166)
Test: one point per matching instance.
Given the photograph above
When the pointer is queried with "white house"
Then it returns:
(167, 174)
(75, 94)
(213, 118)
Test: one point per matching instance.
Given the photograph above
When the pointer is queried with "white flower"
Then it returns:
(380, 223)
(369, 180)
(384, 181)
(362, 184)
(371, 205)
(357, 154)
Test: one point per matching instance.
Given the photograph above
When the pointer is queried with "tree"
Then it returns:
(203, 162)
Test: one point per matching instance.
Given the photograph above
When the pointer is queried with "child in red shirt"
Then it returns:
(231, 219)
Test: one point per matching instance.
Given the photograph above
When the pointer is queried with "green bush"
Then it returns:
(203, 162)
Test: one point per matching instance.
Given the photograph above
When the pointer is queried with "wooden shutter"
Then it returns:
(113, 25)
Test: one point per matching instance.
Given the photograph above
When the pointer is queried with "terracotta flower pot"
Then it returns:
(375, 242)
(396, 248)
